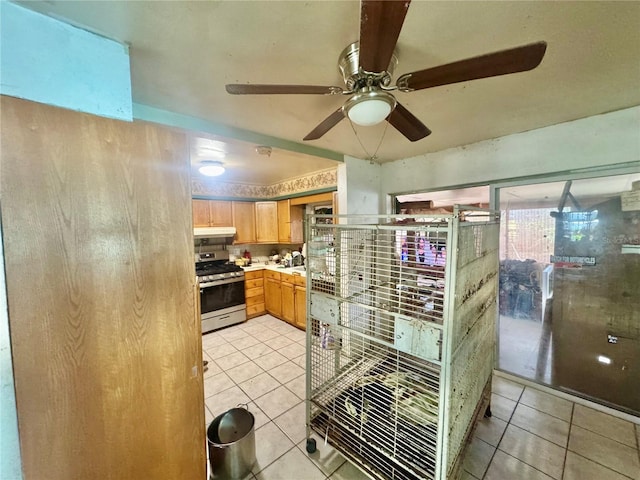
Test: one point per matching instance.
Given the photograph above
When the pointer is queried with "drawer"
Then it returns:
(253, 283)
(256, 309)
(253, 275)
(271, 274)
(300, 280)
(254, 292)
(254, 300)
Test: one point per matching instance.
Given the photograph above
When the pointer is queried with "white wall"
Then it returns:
(48, 61)
(602, 140)
(358, 187)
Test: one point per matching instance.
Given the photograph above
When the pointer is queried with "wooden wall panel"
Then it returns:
(99, 258)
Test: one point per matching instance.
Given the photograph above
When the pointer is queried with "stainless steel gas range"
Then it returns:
(222, 301)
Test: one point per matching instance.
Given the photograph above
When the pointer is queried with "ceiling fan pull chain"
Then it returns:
(358, 138)
(375, 154)
(368, 156)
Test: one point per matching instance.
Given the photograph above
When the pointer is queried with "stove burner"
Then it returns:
(216, 270)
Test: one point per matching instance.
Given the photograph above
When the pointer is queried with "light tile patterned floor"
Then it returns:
(532, 434)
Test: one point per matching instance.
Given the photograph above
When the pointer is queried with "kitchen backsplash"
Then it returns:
(260, 252)
(316, 181)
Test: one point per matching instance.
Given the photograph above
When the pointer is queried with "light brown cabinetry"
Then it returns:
(244, 219)
(266, 222)
(273, 293)
(300, 300)
(284, 296)
(254, 293)
(294, 300)
(289, 222)
(288, 302)
(212, 213)
(255, 222)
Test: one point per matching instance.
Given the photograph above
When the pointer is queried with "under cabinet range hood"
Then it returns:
(214, 232)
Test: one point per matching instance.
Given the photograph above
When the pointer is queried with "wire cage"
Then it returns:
(400, 336)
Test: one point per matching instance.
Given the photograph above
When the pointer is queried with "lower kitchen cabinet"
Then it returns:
(288, 300)
(273, 293)
(294, 300)
(300, 300)
(254, 293)
(285, 297)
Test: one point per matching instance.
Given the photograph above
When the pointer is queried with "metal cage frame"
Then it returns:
(401, 316)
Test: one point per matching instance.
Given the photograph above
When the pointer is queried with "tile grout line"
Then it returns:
(607, 437)
(547, 413)
(525, 463)
(294, 445)
(505, 429)
(532, 433)
(591, 459)
(601, 465)
(566, 450)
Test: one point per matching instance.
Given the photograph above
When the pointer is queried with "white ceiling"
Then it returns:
(183, 53)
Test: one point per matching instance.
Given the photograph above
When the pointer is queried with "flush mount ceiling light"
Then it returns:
(369, 107)
(211, 168)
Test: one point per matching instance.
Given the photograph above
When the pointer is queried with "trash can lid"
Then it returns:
(232, 425)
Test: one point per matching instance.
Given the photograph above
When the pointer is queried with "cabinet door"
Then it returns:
(284, 221)
(273, 297)
(288, 303)
(296, 214)
(301, 307)
(244, 219)
(267, 222)
(220, 213)
(290, 222)
(200, 213)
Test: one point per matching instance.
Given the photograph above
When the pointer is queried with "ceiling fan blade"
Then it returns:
(407, 124)
(258, 89)
(380, 24)
(519, 59)
(326, 125)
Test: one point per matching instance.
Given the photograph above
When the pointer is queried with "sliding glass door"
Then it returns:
(569, 297)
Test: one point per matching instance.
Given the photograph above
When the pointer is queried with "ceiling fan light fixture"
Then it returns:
(369, 107)
(211, 168)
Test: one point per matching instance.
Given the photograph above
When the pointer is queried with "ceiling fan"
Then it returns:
(367, 67)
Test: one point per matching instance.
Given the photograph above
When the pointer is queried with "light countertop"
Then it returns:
(276, 268)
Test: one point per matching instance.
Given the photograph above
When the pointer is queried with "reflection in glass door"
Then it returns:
(570, 287)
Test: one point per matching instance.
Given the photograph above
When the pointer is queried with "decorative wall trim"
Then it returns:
(321, 180)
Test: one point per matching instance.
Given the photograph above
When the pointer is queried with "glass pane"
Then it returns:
(570, 287)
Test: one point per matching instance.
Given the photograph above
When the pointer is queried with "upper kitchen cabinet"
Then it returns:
(290, 222)
(266, 222)
(212, 213)
(244, 219)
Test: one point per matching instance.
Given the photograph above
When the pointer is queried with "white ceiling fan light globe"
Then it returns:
(369, 108)
(211, 169)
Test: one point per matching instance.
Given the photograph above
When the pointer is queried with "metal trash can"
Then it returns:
(232, 444)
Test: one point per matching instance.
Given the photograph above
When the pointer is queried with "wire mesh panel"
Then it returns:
(379, 334)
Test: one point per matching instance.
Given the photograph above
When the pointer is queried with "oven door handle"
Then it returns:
(221, 282)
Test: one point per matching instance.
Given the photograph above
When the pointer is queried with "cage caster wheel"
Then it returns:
(311, 445)
(487, 412)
